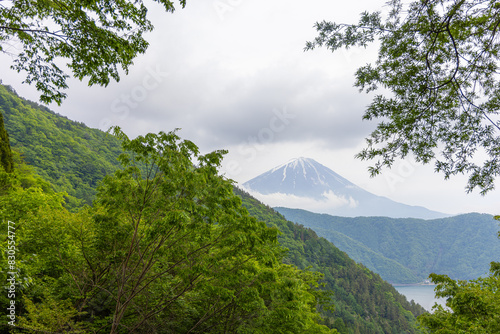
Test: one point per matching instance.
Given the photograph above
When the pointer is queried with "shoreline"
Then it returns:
(413, 284)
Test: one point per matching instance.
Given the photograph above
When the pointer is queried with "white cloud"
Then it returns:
(328, 205)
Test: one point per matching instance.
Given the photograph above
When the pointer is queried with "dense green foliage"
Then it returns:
(364, 303)
(170, 250)
(5, 152)
(95, 38)
(408, 250)
(471, 306)
(73, 157)
(437, 70)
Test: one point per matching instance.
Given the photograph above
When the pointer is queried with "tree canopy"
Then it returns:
(438, 68)
(96, 38)
(167, 248)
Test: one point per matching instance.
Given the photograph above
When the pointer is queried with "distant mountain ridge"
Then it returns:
(326, 191)
(408, 250)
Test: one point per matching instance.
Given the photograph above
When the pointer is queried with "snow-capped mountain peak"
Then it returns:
(305, 183)
(301, 177)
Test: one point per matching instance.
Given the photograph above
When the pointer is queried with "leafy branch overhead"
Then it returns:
(96, 38)
(438, 61)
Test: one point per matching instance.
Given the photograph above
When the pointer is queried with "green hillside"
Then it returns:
(72, 156)
(75, 158)
(392, 270)
(408, 250)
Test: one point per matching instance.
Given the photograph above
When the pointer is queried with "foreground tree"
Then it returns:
(438, 60)
(167, 248)
(96, 38)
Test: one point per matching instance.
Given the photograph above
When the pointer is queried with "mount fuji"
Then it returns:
(306, 184)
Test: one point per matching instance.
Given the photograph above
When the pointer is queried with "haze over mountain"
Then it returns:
(306, 184)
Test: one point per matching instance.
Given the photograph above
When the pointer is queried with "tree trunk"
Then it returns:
(5, 152)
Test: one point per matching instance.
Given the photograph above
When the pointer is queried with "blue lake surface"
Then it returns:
(421, 294)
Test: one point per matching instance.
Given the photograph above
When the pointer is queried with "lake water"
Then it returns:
(421, 294)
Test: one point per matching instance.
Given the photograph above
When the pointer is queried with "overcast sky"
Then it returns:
(233, 75)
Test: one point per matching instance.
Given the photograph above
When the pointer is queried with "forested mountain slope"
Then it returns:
(408, 250)
(146, 257)
(72, 156)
